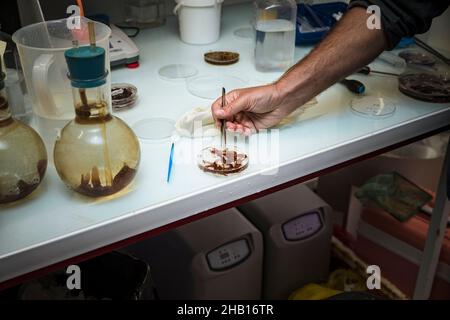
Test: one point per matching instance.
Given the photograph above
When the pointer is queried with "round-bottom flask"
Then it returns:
(23, 157)
(96, 154)
(97, 158)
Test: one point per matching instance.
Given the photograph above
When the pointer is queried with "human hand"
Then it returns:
(251, 109)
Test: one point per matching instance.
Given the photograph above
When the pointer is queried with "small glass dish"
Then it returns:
(417, 57)
(373, 107)
(177, 71)
(245, 32)
(123, 96)
(222, 161)
(208, 86)
(157, 129)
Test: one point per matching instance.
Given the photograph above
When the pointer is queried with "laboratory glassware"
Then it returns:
(23, 156)
(275, 34)
(145, 13)
(41, 48)
(97, 154)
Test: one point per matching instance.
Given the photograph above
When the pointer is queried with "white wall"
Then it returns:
(438, 35)
(113, 8)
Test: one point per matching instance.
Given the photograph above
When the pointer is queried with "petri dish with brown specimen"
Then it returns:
(222, 161)
(221, 57)
(426, 87)
(123, 96)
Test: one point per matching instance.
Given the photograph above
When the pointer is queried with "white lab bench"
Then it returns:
(58, 226)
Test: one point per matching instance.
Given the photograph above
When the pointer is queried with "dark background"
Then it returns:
(9, 16)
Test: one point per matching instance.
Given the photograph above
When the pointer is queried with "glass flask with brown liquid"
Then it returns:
(23, 157)
(96, 154)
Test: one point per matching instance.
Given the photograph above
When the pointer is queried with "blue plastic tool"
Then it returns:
(169, 171)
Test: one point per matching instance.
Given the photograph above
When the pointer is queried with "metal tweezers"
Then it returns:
(223, 135)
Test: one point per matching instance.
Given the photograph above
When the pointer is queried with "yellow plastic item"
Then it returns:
(313, 291)
(346, 280)
(341, 280)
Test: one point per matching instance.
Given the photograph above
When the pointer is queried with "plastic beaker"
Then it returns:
(41, 49)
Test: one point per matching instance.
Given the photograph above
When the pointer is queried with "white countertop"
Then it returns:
(55, 223)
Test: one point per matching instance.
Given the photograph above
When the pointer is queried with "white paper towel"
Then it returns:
(199, 122)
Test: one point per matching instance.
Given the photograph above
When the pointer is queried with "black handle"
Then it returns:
(354, 86)
(364, 70)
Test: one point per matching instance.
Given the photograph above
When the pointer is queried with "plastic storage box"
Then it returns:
(296, 226)
(218, 257)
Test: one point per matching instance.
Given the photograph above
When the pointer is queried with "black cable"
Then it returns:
(135, 29)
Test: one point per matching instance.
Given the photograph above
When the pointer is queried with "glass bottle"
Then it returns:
(145, 13)
(96, 154)
(275, 23)
(15, 81)
(23, 158)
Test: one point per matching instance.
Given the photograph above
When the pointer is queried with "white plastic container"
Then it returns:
(199, 20)
(218, 257)
(296, 228)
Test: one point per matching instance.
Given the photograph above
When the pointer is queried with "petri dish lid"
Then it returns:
(154, 129)
(417, 57)
(244, 32)
(210, 86)
(373, 107)
(177, 71)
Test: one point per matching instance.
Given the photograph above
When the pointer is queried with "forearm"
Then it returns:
(348, 47)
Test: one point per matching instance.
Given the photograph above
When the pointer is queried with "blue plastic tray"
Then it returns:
(324, 12)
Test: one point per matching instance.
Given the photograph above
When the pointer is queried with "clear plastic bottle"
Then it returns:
(23, 158)
(97, 154)
(145, 13)
(275, 23)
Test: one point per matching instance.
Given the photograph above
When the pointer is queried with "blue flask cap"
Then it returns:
(86, 66)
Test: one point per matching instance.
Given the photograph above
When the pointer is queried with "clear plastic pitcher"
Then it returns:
(41, 49)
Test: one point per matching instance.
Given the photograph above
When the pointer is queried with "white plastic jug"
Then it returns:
(199, 20)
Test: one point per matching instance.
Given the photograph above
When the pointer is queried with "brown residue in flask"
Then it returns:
(25, 188)
(91, 185)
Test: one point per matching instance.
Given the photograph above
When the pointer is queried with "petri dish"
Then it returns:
(373, 107)
(123, 96)
(210, 86)
(425, 87)
(244, 32)
(221, 57)
(154, 129)
(222, 162)
(177, 71)
(417, 57)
